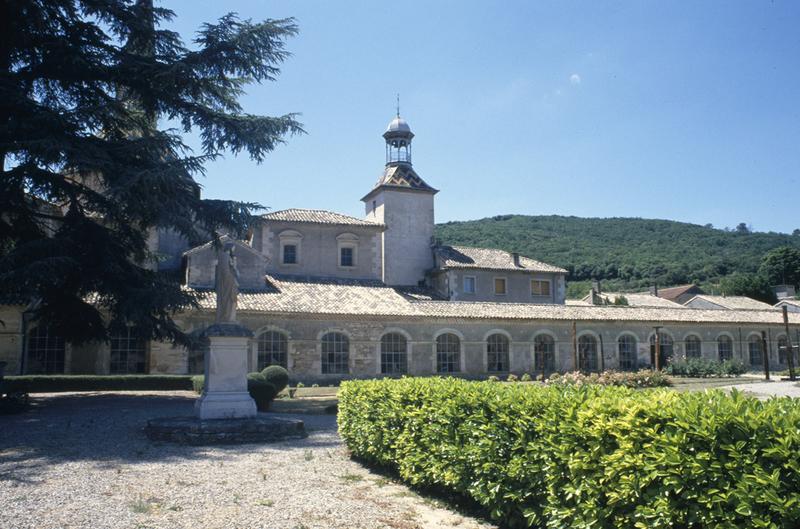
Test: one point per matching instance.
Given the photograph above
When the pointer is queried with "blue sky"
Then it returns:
(678, 110)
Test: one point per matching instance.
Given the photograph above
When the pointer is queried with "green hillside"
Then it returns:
(626, 253)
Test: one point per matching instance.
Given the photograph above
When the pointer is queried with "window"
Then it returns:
(587, 353)
(756, 350)
(544, 353)
(128, 353)
(627, 352)
(394, 354)
(448, 353)
(273, 350)
(664, 345)
(783, 348)
(693, 347)
(290, 247)
(500, 286)
(289, 254)
(335, 354)
(724, 348)
(540, 288)
(497, 353)
(45, 352)
(469, 285)
(347, 244)
(346, 256)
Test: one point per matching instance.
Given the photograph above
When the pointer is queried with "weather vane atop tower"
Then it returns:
(398, 105)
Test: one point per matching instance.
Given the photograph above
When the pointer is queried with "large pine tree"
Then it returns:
(86, 173)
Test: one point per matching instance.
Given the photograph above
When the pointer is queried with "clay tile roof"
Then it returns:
(490, 259)
(365, 299)
(318, 216)
(734, 302)
(672, 293)
(637, 299)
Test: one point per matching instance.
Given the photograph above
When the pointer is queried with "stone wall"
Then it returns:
(318, 252)
(518, 286)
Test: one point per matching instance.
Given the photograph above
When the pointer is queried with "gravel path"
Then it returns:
(82, 460)
(766, 389)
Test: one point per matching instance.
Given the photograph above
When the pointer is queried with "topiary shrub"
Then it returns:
(262, 391)
(512, 378)
(526, 377)
(277, 376)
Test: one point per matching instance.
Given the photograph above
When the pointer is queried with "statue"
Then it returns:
(227, 285)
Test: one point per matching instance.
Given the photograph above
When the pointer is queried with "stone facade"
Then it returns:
(323, 292)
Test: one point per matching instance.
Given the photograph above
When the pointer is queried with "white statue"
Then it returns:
(227, 285)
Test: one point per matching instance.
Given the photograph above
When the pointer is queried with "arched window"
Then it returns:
(394, 354)
(128, 353)
(665, 346)
(627, 352)
(544, 353)
(724, 347)
(756, 350)
(497, 353)
(783, 349)
(448, 353)
(693, 347)
(45, 352)
(335, 354)
(587, 353)
(273, 350)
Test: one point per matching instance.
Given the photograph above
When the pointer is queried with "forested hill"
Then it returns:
(627, 253)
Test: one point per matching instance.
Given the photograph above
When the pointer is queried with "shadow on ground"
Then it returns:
(107, 428)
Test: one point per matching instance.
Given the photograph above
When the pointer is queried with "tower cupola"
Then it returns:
(398, 138)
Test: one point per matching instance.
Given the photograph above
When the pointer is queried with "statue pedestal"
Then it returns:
(225, 394)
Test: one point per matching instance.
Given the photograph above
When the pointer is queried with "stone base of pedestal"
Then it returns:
(225, 405)
(193, 431)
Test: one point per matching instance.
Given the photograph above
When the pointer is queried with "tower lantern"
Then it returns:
(398, 138)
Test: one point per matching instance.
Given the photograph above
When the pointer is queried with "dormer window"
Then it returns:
(348, 250)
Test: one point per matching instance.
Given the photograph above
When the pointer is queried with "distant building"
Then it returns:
(792, 305)
(331, 296)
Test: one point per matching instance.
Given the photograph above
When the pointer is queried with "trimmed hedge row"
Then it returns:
(585, 456)
(59, 383)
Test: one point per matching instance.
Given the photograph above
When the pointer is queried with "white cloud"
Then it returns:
(575, 79)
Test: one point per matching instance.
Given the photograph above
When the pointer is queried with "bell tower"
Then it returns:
(404, 203)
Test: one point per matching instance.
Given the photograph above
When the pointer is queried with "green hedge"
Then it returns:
(58, 383)
(262, 390)
(705, 368)
(584, 455)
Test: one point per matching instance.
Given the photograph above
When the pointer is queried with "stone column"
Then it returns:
(225, 394)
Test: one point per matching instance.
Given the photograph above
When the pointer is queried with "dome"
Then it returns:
(398, 124)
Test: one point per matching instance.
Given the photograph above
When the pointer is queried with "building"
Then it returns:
(330, 296)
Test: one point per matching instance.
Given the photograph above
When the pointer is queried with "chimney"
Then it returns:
(515, 256)
(596, 285)
(654, 290)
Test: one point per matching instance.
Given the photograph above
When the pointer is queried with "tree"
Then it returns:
(742, 228)
(781, 266)
(751, 285)
(87, 173)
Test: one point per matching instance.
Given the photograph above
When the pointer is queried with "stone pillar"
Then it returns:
(225, 394)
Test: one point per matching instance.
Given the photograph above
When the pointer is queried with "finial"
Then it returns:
(398, 105)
